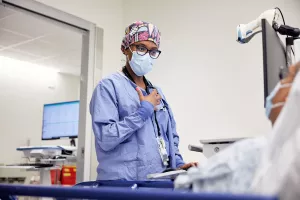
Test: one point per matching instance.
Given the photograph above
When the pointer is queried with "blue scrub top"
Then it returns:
(125, 131)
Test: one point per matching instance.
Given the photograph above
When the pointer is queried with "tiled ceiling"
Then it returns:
(29, 38)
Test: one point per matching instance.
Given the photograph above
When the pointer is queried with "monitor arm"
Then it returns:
(293, 34)
(245, 32)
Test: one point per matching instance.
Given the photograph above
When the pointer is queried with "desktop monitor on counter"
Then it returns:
(60, 120)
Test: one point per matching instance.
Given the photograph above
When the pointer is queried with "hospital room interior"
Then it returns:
(118, 97)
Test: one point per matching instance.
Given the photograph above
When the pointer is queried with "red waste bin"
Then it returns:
(68, 175)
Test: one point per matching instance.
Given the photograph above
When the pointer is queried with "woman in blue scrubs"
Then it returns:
(135, 131)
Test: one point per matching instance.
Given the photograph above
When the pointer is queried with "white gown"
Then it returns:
(267, 165)
(231, 170)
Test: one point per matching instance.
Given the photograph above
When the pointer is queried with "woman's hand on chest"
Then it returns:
(154, 97)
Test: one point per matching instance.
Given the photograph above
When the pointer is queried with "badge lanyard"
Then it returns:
(160, 141)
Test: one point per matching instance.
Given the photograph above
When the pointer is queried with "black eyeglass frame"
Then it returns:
(148, 51)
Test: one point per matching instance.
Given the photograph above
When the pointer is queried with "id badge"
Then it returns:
(163, 151)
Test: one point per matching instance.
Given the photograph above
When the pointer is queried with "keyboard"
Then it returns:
(36, 165)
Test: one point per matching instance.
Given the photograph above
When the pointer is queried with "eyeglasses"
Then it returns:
(142, 50)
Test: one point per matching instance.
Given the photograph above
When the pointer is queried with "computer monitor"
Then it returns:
(60, 120)
(274, 57)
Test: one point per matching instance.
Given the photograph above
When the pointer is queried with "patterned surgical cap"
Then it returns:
(140, 31)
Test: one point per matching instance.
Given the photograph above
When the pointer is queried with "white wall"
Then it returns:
(25, 88)
(214, 84)
(291, 12)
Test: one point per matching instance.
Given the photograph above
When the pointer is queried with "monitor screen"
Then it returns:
(60, 120)
(274, 57)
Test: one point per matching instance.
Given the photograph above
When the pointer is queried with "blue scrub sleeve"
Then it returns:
(108, 129)
(179, 159)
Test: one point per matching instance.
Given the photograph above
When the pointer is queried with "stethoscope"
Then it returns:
(148, 87)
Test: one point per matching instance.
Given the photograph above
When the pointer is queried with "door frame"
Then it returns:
(87, 72)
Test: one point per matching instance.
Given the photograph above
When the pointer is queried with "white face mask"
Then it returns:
(269, 103)
(140, 65)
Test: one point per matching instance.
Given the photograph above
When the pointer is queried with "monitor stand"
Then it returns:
(72, 142)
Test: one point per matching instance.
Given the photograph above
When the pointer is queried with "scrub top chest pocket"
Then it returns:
(162, 106)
